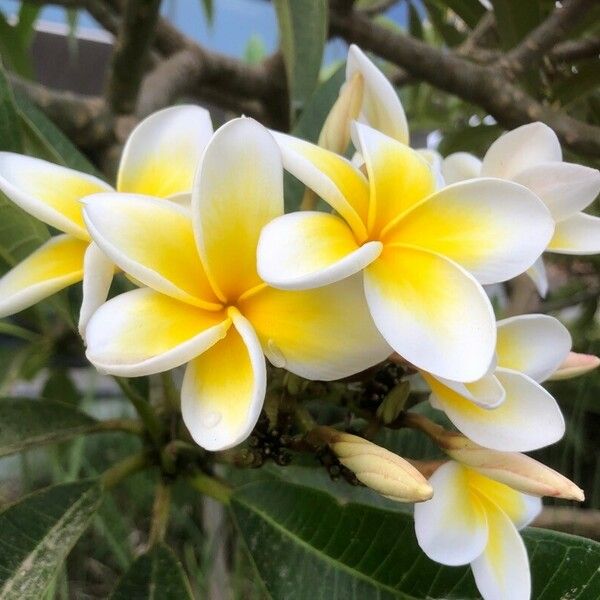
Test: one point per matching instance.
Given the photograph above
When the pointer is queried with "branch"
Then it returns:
(588, 47)
(84, 119)
(378, 8)
(532, 49)
(579, 521)
(481, 85)
(130, 54)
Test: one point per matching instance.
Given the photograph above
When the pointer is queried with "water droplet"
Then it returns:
(275, 355)
(211, 418)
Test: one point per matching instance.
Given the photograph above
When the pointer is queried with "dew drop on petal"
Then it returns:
(275, 355)
(210, 419)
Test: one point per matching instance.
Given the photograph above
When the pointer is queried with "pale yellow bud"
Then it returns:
(516, 470)
(335, 134)
(377, 468)
(574, 365)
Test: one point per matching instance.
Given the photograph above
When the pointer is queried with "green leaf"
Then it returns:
(44, 140)
(307, 545)
(59, 386)
(38, 533)
(255, 50)
(470, 11)
(28, 15)
(25, 423)
(515, 19)
(13, 49)
(302, 32)
(208, 10)
(154, 575)
(585, 81)
(10, 133)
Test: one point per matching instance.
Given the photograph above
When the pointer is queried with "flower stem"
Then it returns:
(143, 408)
(160, 514)
(170, 391)
(123, 469)
(211, 486)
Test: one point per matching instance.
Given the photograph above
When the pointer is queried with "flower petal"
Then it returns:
(532, 344)
(579, 234)
(520, 149)
(460, 166)
(331, 176)
(98, 271)
(399, 177)
(432, 312)
(238, 190)
(574, 365)
(486, 392)
(305, 249)
(451, 528)
(153, 241)
(520, 508)
(49, 192)
(224, 389)
(381, 107)
(502, 570)
(162, 153)
(495, 229)
(143, 332)
(537, 274)
(324, 334)
(565, 188)
(53, 266)
(528, 419)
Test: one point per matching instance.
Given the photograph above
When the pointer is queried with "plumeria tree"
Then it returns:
(295, 354)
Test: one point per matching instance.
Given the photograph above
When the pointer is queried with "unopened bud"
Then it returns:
(516, 470)
(374, 466)
(393, 403)
(335, 134)
(574, 365)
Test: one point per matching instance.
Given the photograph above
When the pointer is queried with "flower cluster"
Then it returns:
(222, 278)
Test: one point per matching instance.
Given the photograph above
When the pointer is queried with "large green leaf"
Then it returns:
(38, 533)
(515, 19)
(156, 575)
(10, 134)
(307, 545)
(25, 423)
(302, 32)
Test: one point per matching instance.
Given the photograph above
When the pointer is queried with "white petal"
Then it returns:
(163, 152)
(579, 234)
(460, 166)
(321, 334)
(238, 190)
(486, 392)
(432, 312)
(520, 149)
(98, 271)
(532, 344)
(502, 571)
(537, 274)
(381, 108)
(565, 188)
(308, 249)
(224, 389)
(143, 332)
(493, 228)
(49, 192)
(451, 528)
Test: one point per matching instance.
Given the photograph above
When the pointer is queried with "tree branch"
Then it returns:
(532, 49)
(579, 521)
(481, 85)
(130, 54)
(588, 47)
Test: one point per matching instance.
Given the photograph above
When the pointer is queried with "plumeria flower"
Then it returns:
(508, 409)
(475, 519)
(531, 155)
(205, 304)
(159, 159)
(424, 253)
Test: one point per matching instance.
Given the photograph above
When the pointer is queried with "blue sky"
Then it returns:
(236, 21)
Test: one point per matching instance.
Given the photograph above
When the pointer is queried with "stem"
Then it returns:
(160, 514)
(125, 468)
(304, 418)
(143, 408)
(211, 486)
(127, 425)
(170, 391)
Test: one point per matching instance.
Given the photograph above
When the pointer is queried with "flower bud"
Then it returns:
(516, 470)
(574, 365)
(335, 134)
(374, 466)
